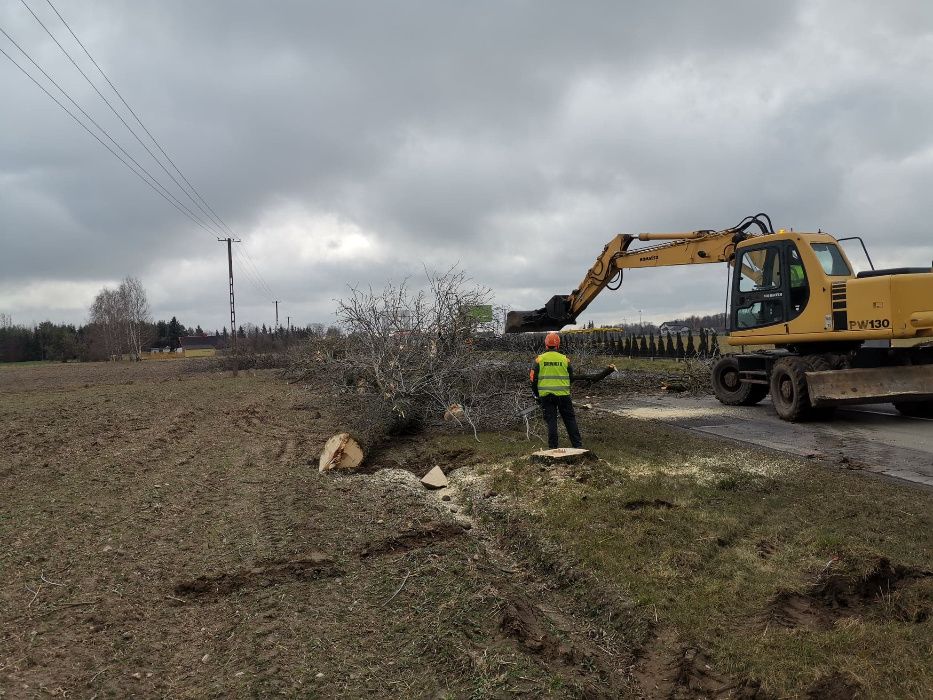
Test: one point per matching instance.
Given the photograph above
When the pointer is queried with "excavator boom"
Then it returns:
(689, 248)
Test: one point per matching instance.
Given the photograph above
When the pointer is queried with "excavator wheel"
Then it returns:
(728, 387)
(789, 389)
(915, 409)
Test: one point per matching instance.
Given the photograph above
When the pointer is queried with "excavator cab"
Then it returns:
(770, 285)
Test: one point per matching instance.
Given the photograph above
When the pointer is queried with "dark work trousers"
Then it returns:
(551, 406)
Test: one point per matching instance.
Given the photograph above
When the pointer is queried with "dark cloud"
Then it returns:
(353, 142)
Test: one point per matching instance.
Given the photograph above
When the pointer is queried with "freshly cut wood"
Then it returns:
(341, 452)
(453, 412)
(435, 479)
(563, 455)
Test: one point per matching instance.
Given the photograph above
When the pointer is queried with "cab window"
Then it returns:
(831, 259)
(760, 313)
(760, 269)
(799, 286)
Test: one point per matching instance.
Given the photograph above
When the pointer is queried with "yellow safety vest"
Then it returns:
(553, 374)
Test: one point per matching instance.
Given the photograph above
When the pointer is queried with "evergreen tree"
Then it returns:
(670, 352)
(680, 346)
(652, 348)
(175, 331)
(691, 348)
(643, 347)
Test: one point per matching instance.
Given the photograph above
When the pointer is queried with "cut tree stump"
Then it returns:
(562, 455)
(341, 452)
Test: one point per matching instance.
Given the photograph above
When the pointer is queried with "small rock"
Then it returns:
(445, 497)
(467, 525)
(106, 548)
(454, 510)
(137, 675)
(205, 658)
(127, 635)
(238, 674)
(149, 674)
(318, 675)
(435, 479)
(490, 494)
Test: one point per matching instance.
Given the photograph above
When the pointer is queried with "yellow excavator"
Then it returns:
(831, 330)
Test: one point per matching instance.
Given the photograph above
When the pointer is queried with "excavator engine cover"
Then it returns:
(554, 316)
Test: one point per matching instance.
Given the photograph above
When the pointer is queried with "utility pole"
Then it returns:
(276, 315)
(230, 242)
(289, 323)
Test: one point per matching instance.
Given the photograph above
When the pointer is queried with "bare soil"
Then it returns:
(165, 532)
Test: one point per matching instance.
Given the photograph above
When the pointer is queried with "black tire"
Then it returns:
(915, 409)
(819, 363)
(729, 389)
(789, 389)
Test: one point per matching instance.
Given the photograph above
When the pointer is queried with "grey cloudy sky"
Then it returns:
(352, 142)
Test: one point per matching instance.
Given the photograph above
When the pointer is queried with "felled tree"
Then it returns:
(407, 358)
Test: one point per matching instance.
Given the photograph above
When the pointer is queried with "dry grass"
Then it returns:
(703, 538)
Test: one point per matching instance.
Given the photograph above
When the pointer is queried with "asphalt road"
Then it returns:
(873, 438)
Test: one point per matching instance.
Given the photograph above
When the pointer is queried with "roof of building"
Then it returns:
(198, 342)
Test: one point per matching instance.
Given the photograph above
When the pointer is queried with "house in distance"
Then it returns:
(199, 345)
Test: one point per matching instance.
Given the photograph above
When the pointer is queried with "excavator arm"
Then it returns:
(690, 248)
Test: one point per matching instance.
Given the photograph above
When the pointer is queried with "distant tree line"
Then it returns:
(63, 342)
(609, 342)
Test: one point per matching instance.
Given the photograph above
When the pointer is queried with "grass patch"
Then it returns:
(710, 541)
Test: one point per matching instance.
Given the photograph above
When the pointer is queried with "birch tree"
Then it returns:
(121, 318)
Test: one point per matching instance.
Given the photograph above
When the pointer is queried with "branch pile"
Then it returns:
(407, 360)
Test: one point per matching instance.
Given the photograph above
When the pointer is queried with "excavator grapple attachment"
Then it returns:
(554, 316)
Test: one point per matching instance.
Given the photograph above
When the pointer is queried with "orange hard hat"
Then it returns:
(552, 340)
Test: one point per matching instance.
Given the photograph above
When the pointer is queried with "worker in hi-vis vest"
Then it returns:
(550, 383)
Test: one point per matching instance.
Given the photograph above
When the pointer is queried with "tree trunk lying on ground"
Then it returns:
(341, 452)
(593, 377)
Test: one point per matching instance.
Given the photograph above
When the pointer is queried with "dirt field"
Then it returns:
(164, 532)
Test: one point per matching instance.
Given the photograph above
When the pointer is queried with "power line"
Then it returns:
(216, 217)
(136, 117)
(85, 127)
(112, 108)
(213, 222)
(155, 182)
